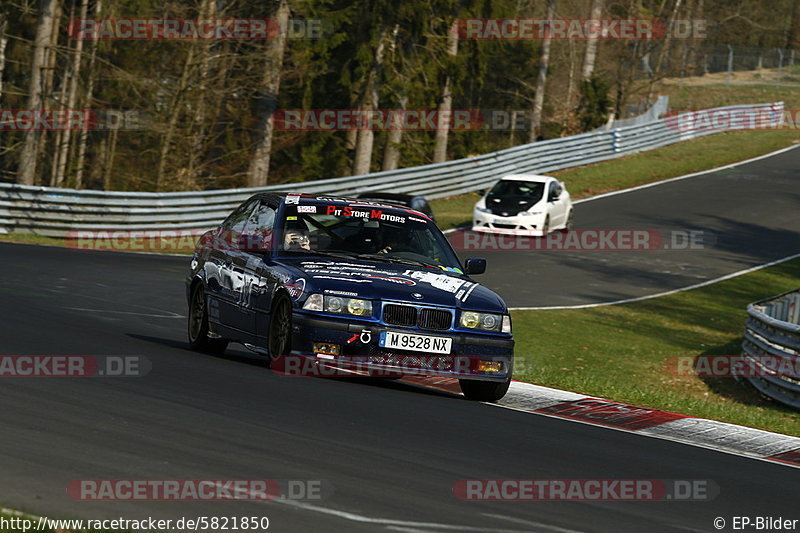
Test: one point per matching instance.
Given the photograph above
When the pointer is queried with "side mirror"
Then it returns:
(475, 265)
(482, 192)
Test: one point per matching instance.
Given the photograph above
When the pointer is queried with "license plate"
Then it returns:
(415, 343)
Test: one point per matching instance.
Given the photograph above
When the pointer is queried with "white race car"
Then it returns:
(524, 204)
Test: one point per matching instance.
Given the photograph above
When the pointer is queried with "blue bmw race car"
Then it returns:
(373, 288)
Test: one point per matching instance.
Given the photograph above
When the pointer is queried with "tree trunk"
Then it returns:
(793, 42)
(172, 121)
(3, 44)
(362, 160)
(591, 44)
(72, 96)
(108, 164)
(541, 80)
(84, 134)
(258, 172)
(446, 103)
(668, 37)
(207, 11)
(391, 154)
(58, 134)
(26, 172)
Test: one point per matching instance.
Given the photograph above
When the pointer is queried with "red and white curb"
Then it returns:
(720, 436)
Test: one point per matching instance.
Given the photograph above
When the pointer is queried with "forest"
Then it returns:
(145, 95)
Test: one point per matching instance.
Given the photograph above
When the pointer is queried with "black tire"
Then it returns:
(198, 324)
(546, 227)
(568, 226)
(280, 328)
(484, 391)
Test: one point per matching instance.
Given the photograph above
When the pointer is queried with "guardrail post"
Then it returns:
(615, 137)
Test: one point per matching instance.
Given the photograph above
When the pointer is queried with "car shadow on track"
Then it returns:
(237, 354)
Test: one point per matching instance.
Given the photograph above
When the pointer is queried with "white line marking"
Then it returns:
(381, 521)
(686, 176)
(661, 182)
(666, 293)
(659, 437)
(539, 525)
(170, 315)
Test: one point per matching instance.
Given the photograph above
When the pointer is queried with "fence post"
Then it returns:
(615, 136)
(730, 65)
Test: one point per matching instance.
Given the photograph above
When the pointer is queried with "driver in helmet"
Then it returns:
(296, 239)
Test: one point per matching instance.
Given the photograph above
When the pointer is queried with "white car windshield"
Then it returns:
(531, 190)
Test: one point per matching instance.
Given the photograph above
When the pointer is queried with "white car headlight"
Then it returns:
(482, 209)
(484, 321)
(339, 305)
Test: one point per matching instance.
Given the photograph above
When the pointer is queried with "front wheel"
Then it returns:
(484, 391)
(280, 328)
(198, 324)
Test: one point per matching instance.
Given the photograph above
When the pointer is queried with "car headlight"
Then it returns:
(338, 304)
(485, 321)
(529, 213)
(482, 209)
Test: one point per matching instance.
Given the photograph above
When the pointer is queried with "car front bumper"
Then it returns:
(360, 350)
(512, 225)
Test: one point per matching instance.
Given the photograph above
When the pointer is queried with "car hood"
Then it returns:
(510, 205)
(387, 281)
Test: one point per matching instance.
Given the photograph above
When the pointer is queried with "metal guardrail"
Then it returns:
(56, 212)
(772, 331)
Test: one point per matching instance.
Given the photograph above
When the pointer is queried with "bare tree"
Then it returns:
(793, 41)
(668, 37)
(362, 160)
(207, 11)
(83, 138)
(3, 44)
(26, 172)
(391, 153)
(258, 172)
(541, 80)
(63, 147)
(591, 44)
(445, 103)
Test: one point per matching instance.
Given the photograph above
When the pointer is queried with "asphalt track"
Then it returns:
(748, 215)
(391, 452)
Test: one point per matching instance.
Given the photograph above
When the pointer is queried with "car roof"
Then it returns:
(320, 198)
(394, 196)
(527, 177)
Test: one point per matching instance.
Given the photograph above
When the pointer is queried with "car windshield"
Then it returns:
(529, 189)
(366, 232)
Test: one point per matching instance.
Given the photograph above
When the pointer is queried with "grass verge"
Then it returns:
(625, 352)
(637, 169)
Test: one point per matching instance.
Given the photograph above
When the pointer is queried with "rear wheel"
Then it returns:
(280, 327)
(484, 391)
(568, 225)
(198, 324)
